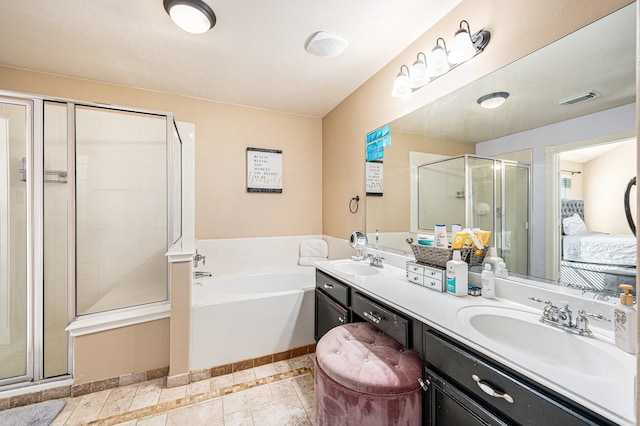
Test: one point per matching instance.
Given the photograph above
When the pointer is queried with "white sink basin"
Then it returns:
(355, 268)
(522, 332)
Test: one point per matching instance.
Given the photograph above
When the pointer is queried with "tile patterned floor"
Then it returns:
(274, 394)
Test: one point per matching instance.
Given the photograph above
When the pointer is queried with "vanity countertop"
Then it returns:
(604, 388)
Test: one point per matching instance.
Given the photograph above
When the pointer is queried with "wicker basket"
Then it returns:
(440, 256)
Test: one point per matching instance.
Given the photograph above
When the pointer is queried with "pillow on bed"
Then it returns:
(573, 224)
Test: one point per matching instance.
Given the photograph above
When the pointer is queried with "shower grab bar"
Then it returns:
(60, 174)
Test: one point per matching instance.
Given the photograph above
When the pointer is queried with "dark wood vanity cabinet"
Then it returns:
(337, 304)
(333, 299)
(466, 388)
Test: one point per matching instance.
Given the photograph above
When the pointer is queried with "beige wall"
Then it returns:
(390, 213)
(121, 351)
(576, 178)
(605, 181)
(223, 132)
(517, 28)
(180, 351)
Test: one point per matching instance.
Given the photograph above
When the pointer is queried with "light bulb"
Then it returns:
(462, 49)
(190, 19)
(402, 84)
(419, 76)
(438, 64)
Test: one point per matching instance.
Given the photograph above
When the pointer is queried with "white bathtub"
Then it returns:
(247, 315)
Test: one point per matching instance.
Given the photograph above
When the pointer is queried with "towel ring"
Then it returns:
(357, 200)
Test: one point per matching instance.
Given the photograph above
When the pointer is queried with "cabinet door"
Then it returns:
(329, 314)
(447, 406)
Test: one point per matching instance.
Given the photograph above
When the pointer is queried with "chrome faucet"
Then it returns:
(375, 260)
(562, 318)
(197, 258)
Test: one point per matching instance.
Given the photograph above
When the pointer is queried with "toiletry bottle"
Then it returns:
(625, 317)
(501, 271)
(457, 275)
(492, 259)
(440, 236)
(488, 282)
(455, 229)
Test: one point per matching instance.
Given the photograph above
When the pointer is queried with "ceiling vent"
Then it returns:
(323, 43)
(591, 94)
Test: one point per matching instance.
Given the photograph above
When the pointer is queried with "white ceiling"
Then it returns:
(254, 55)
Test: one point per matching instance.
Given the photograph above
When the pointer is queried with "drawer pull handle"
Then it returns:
(486, 388)
(370, 315)
(328, 286)
(424, 384)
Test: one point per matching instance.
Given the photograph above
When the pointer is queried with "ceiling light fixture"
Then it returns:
(493, 100)
(193, 16)
(441, 61)
(325, 44)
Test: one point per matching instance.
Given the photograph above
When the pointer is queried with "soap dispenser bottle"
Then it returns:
(625, 317)
(488, 282)
(457, 275)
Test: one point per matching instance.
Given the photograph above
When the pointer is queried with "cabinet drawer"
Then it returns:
(333, 287)
(329, 314)
(415, 278)
(416, 269)
(382, 318)
(527, 405)
(433, 273)
(434, 284)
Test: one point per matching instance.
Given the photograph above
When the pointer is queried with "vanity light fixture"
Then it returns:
(462, 49)
(493, 100)
(465, 46)
(193, 16)
(402, 85)
(438, 63)
(419, 76)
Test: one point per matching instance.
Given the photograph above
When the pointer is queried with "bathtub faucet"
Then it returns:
(197, 258)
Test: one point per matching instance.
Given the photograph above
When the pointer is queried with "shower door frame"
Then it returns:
(35, 149)
(31, 298)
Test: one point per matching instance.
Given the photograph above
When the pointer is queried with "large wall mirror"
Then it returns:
(542, 123)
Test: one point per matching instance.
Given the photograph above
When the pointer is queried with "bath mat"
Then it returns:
(41, 414)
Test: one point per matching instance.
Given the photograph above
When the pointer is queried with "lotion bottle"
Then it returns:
(457, 276)
(625, 317)
(488, 282)
(501, 271)
(492, 258)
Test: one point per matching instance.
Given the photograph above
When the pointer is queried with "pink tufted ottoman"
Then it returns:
(364, 377)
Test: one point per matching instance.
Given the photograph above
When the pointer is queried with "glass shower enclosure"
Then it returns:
(480, 192)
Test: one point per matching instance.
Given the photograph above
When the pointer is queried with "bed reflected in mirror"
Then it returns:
(597, 196)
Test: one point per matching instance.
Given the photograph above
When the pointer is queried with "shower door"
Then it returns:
(15, 323)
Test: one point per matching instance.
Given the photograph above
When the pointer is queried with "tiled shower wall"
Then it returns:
(121, 207)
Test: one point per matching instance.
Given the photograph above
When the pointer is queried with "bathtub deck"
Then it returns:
(272, 394)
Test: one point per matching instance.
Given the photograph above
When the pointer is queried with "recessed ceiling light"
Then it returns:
(325, 44)
(193, 16)
(493, 100)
